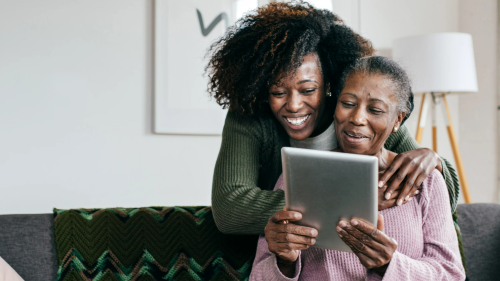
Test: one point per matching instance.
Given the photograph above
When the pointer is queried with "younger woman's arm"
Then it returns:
(239, 205)
(413, 164)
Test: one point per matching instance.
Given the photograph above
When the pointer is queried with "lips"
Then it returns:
(297, 121)
(353, 137)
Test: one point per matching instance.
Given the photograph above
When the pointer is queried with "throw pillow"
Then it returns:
(155, 243)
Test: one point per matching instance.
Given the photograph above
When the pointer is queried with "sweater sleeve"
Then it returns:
(265, 266)
(402, 141)
(239, 206)
(441, 257)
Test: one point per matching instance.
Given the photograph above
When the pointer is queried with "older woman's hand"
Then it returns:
(414, 166)
(286, 240)
(384, 203)
(372, 246)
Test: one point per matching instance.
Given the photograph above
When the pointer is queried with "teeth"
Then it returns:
(354, 136)
(297, 121)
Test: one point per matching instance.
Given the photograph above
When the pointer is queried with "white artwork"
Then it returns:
(184, 30)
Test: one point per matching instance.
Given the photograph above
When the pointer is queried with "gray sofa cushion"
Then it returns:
(480, 225)
(27, 244)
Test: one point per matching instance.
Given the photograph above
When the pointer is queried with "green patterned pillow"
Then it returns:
(156, 243)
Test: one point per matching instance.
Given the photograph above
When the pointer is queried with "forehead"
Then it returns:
(309, 69)
(310, 65)
(370, 85)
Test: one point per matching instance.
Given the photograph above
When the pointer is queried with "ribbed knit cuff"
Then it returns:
(372, 276)
(396, 269)
(277, 272)
(390, 274)
(443, 167)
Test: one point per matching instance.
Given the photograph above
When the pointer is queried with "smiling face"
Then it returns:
(366, 114)
(298, 100)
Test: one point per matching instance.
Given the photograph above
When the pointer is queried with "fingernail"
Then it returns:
(410, 199)
(400, 201)
(342, 224)
(339, 229)
(407, 197)
(354, 222)
(313, 241)
(380, 184)
(387, 195)
(340, 235)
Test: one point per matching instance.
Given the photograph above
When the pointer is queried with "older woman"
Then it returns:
(418, 241)
(275, 71)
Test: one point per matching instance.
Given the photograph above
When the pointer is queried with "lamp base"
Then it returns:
(436, 99)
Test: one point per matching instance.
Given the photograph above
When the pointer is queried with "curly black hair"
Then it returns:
(273, 41)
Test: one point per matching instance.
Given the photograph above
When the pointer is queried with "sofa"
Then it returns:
(27, 243)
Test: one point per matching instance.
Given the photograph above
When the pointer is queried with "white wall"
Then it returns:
(478, 111)
(76, 112)
(76, 104)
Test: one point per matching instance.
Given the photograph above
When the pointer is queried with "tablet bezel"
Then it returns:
(326, 186)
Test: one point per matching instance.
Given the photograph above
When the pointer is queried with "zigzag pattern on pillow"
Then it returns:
(155, 243)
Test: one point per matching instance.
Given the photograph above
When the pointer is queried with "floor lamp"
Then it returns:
(439, 64)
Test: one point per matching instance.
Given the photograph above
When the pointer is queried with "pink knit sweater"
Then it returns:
(423, 228)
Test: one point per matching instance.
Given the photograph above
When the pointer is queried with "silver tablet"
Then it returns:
(326, 186)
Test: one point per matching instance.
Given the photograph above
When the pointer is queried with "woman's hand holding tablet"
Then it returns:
(372, 246)
(286, 239)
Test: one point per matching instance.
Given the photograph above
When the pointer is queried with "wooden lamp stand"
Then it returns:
(439, 99)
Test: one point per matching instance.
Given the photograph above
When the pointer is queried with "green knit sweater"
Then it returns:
(249, 164)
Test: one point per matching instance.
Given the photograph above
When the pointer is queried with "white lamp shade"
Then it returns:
(438, 62)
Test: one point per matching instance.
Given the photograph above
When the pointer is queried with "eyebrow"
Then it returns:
(374, 99)
(348, 94)
(307, 80)
(371, 99)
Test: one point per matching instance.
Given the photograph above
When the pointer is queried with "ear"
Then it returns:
(398, 122)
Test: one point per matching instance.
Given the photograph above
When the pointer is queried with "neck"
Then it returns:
(324, 123)
(385, 157)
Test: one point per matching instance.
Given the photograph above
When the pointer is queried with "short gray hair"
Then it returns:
(386, 67)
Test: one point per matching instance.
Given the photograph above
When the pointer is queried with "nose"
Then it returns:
(294, 102)
(358, 116)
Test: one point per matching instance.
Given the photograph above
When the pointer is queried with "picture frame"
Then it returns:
(183, 33)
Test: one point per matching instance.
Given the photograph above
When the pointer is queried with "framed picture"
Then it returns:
(184, 31)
